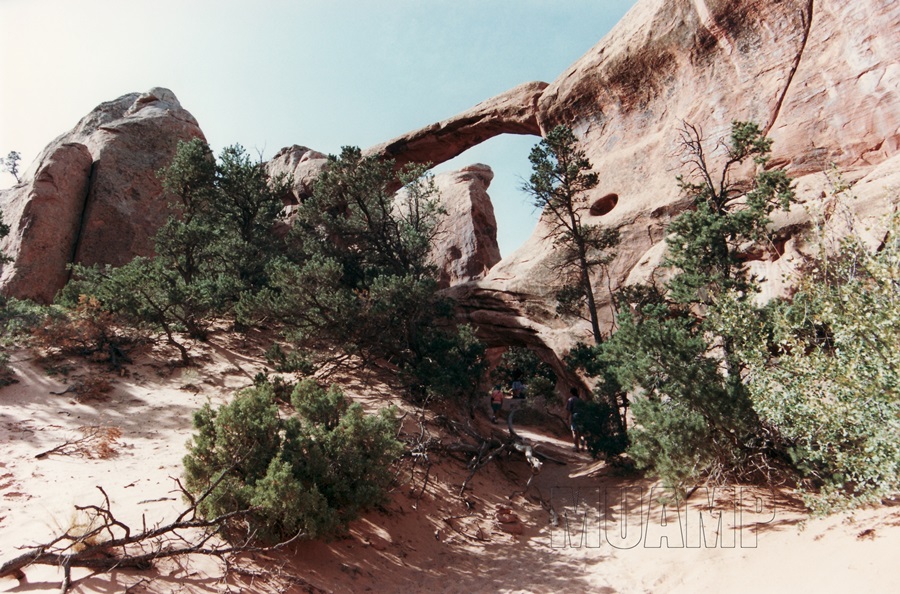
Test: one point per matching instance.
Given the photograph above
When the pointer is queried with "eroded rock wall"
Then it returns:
(93, 195)
(45, 219)
(820, 76)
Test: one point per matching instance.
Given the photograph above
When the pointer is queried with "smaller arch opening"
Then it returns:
(604, 205)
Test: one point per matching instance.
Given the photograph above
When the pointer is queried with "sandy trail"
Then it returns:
(440, 542)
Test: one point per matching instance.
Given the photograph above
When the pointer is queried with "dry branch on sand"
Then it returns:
(95, 442)
(489, 448)
(107, 543)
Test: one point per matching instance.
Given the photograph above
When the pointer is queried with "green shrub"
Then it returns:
(603, 419)
(281, 388)
(694, 419)
(292, 361)
(832, 390)
(85, 330)
(450, 366)
(522, 364)
(600, 425)
(19, 318)
(678, 443)
(311, 473)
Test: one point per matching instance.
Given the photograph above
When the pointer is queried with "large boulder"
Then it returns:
(93, 195)
(45, 216)
(302, 165)
(131, 139)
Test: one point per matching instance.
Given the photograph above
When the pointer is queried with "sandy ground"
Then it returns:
(563, 533)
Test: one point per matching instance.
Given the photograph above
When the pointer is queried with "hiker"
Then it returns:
(518, 389)
(572, 406)
(496, 402)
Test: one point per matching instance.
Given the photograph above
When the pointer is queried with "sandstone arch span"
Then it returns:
(512, 112)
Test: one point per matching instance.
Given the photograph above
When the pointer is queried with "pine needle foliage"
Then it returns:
(694, 417)
(561, 179)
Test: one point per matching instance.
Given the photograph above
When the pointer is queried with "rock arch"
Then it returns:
(512, 112)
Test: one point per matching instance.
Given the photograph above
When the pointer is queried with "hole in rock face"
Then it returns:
(604, 205)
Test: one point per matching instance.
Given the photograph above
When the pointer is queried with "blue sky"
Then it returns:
(271, 73)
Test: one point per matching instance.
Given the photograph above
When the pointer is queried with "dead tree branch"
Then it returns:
(419, 445)
(487, 449)
(107, 543)
(95, 442)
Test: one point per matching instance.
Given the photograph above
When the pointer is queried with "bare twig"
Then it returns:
(110, 543)
(450, 522)
(96, 442)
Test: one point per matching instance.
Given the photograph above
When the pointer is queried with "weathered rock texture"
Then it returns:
(125, 204)
(826, 91)
(466, 247)
(93, 195)
(821, 77)
(302, 165)
(46, 217)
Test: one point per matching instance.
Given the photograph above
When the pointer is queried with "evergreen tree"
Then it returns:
(11, 164)
(211, 253)
(357, 276)
(559, 184)
(695, 417)
(222, 219)
(248, 206)
(356, 273)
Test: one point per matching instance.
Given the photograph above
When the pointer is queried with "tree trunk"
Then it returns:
(185, 357)
(585, 273)
(591, 303)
